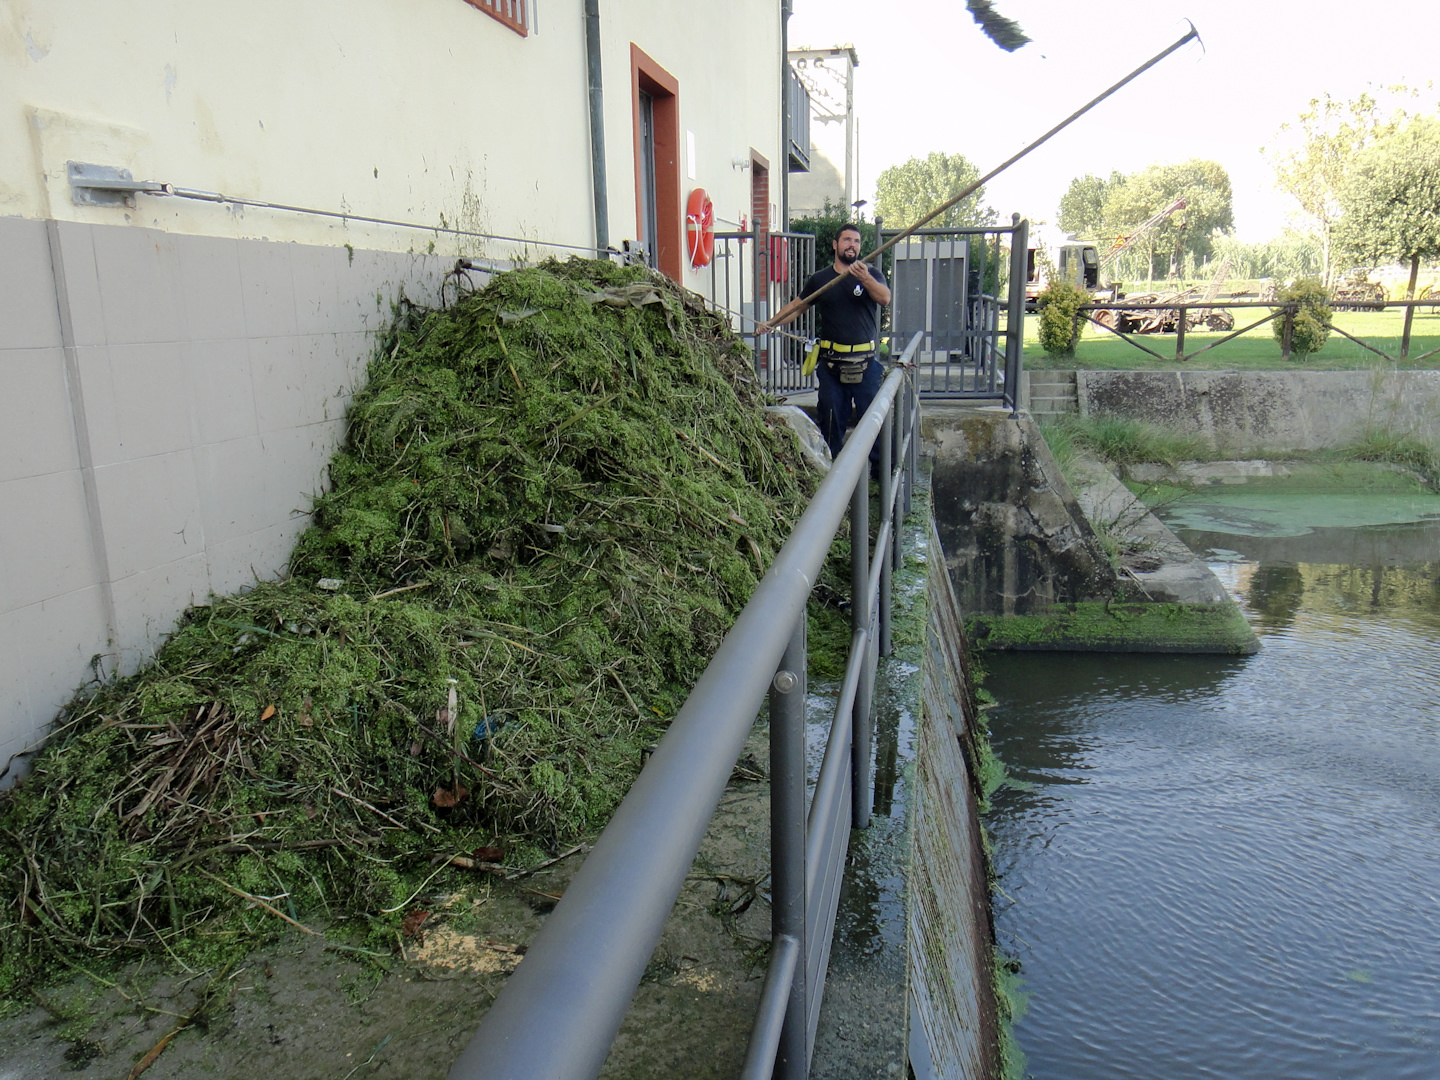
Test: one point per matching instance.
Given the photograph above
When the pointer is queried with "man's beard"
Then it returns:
(847, 257)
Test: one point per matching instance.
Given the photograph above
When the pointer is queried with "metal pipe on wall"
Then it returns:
(597, 124)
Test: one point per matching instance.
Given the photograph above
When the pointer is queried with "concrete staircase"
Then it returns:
(1052, 394)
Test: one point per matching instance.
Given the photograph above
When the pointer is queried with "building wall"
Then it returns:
(174, 373)
(829, 75)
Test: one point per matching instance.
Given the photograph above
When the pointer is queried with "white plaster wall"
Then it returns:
(173, 375)
(726, 58)
(424, 111)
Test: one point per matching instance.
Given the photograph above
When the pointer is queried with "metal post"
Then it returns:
(860, 620)
(1180, 335)
(1015, 315)
(787, 843)
(883, 558)
(1289, 328)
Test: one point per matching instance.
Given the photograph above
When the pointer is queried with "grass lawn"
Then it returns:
(1255, 350)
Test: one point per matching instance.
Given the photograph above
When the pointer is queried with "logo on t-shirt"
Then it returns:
(859, 290)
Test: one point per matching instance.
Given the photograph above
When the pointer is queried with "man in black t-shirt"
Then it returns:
(848, 372)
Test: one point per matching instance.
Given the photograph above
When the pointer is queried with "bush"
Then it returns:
(1059, 328)
(1311, 324)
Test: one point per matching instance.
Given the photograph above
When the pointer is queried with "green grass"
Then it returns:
(1255, 350)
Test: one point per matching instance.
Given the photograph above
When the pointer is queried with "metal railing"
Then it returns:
(1178, 317)
(559, 1012)
(753, 275)
(959, 288)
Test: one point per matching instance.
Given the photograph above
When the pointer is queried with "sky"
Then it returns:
(930, 80)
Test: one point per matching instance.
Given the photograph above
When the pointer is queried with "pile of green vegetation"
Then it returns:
(552, 501)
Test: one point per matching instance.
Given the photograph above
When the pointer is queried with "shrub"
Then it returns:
(1059, 328)
(1311, 324)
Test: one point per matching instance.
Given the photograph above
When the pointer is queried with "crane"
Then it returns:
(1123, 243)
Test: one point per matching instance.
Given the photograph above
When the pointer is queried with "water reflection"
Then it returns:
(1230, 867)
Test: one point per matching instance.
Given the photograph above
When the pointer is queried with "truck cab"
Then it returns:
(1074, 262)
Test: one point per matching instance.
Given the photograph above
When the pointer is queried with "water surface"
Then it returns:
(1231, 868)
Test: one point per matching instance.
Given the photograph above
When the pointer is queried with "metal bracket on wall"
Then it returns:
(105, 185)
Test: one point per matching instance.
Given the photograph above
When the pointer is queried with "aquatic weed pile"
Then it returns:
(553, 499)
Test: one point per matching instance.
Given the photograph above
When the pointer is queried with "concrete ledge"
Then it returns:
(1268, 410)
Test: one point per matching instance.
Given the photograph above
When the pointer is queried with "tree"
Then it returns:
(1205, 186)
(1391, 202)
(904, 194)
(1082, 207)
(1314, 157)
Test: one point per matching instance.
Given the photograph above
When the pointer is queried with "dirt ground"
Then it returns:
(304, 1009)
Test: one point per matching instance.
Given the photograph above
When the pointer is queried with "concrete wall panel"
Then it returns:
(1244, 412)
(29, 318)
(162, 451)
(35, 418)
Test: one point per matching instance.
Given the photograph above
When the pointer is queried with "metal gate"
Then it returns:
(959, 288)
(753, 275)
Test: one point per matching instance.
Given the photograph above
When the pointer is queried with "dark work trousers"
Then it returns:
(839, 403)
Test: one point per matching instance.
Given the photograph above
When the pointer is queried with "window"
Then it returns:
(509, 12)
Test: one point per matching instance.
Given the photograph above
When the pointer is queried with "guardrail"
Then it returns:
(559, 1012)
(1274, 310)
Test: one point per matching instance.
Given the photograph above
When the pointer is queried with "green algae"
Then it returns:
(1119, 627)
(552, 500)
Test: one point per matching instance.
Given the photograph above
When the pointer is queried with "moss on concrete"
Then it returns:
(1111, 627)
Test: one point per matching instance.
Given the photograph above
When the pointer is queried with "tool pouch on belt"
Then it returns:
(850, 372)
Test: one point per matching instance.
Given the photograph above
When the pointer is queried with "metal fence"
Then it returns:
(1133, 321)
(753, 275)
(560, 1010)
(958, 289)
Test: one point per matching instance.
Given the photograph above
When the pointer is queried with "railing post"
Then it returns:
(887, 506)
(1289, 328)
(787, 844)
(860, 734)
(1015, 313)
(1180, 335)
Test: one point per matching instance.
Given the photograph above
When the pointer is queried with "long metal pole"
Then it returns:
(978, 184)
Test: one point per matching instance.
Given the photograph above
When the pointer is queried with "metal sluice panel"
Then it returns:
(939, 291)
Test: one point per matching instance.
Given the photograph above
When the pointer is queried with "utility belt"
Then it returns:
(848, 363)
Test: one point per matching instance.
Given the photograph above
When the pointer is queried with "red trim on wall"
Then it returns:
(664, 90)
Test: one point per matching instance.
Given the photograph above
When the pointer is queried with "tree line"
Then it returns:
(1366, 182)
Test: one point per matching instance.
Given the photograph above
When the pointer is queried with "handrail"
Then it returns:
(559, 1012)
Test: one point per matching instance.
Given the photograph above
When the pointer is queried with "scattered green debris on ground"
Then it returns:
(552, 500)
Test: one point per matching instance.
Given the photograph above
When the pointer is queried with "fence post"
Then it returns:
(860, 794)
(1180, 335)
(1015, 312)
(1289, 328)
(787, 844)
(887, 507)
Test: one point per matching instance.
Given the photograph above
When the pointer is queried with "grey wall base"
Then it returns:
(167, 407)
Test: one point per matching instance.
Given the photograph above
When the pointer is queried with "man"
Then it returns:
(848, 372)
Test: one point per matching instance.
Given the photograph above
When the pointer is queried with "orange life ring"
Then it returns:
(700, 228)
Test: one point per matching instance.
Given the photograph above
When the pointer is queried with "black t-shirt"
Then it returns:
(847, 314)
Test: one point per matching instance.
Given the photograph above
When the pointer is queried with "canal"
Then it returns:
(1231, 867)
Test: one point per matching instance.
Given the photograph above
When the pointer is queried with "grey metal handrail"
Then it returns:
(559, 1012)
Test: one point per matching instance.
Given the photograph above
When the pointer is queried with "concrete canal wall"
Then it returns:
(1266, 411)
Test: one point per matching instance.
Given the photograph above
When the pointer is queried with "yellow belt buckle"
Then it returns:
(811, 358)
